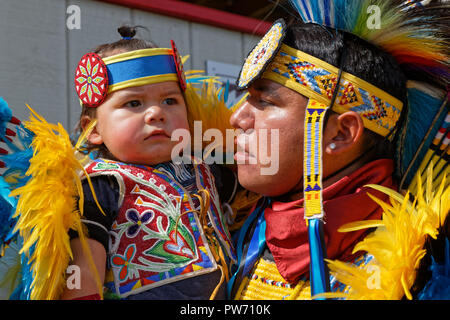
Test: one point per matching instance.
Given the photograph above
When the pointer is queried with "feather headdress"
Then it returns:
(15, 153)
(415, 33)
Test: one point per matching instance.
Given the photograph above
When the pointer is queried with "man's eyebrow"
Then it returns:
(267, 90)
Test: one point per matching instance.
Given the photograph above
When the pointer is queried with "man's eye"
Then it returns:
(258, 101)
(263, 103)
(133, 104)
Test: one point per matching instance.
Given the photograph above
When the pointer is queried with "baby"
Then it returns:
(159, 232)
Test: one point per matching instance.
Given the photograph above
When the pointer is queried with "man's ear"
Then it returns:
(94, 137)
(343, 132)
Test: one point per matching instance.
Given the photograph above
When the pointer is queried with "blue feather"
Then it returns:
(5, 114)
(6, 222)
(327, 12)
(300, 6)
(23, 289)
(336, 14)
(17, 162)
(7, 209)
(316, 11)
(423, 107)
(438, 288)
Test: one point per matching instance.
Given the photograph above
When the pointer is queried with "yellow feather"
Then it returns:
(359, 225)
(396, 245)
(210, 108)
(204, 105)
(46, 207)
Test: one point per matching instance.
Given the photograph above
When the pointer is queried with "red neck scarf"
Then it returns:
(344, 202)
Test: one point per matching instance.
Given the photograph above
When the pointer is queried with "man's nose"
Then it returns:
(243, 117)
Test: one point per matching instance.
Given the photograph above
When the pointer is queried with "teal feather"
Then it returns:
(438, 288)
(10, 271)
(16, 271)
(424, 106)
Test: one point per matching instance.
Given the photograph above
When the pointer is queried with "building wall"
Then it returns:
(39, 53)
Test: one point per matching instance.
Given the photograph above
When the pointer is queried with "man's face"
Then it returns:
(270, 106)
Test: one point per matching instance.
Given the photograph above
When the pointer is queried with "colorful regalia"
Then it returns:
(165, 230)
(408, 253)
(170, 246)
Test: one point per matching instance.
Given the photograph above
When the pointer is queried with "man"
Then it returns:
(326, 159)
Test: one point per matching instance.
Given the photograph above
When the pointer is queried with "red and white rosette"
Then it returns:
(179, 66)
(91, 80)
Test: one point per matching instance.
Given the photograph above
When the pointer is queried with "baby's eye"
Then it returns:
(170, 101)
(133, 104)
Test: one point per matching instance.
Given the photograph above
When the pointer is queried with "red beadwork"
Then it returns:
(91, 80)
(179, 66)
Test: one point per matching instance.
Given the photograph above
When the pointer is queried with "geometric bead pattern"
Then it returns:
(316, 79)
(266, 283)
(312, 168)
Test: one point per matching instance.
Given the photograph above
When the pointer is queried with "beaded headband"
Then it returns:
(96, 77)
(317, 79)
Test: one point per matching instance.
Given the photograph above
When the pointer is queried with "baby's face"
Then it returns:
(136, 123)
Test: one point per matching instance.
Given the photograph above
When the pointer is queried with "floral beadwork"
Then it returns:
(123, 261)
(91, 80)
(156, 237)
(136, 221)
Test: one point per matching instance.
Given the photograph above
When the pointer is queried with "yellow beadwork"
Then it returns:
(317, 79)
(257, 59)
(266, 283)
(312, 165)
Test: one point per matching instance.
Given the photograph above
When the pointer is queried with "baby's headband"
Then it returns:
(96, 77)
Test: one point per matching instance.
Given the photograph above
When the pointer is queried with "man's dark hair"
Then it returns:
(362, 59)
